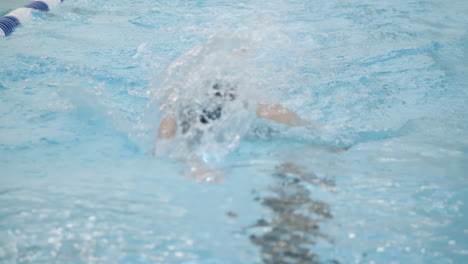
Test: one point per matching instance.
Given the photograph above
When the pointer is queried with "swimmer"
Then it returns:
(213, 111)
(194, 115)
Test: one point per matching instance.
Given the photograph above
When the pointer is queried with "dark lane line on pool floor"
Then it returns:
(288, 234)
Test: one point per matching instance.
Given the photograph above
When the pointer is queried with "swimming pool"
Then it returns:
(79, 183)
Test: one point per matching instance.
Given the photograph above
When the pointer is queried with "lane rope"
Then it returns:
(20, 16)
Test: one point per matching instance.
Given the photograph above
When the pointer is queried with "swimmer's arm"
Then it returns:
(282, 115)
(167, 128)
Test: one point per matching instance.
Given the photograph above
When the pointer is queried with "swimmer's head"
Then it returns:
(226, 92)
(240, 52)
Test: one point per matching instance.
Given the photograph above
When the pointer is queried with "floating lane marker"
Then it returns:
(19, 16)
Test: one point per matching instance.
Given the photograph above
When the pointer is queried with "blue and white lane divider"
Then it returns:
(21, 15)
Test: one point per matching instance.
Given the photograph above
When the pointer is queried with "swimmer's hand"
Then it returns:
(203, 173)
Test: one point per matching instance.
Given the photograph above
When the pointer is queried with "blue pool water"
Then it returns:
(79, 88)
